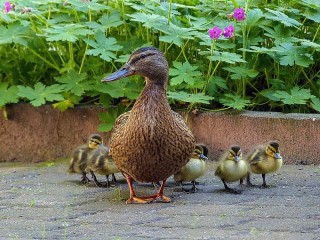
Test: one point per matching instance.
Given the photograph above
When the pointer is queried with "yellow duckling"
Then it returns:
(101, 162)
(152, 142)
(232, 168)
(263, 160)
(195, 168)
(78, 162)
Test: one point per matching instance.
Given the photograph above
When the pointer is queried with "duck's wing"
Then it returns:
(256, 156)
(119, 123)
(179, 119)
(218, 171)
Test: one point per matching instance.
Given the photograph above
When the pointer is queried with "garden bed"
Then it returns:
(38, 134)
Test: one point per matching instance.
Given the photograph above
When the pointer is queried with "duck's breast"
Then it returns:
(152, 145)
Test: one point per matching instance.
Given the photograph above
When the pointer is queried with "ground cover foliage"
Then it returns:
(267, 59)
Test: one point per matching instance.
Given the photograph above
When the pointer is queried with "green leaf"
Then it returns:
(295, 96)
(67, 32)
(176, 34)
(8, 94)
(253, 17)
(183, 72)
(234, 101)
(124, 88)
(63, 105)
(240, 72)
(15, 33)
(315, 104)
(216, 83)
(108, 118)
(313, 14)
(103, 47)
(112, 20)
(190, 98)
(283, 18)
(41, 93)
(85, 6)
(75, 83)
(226, 57)
(290, 55)
(148, 20)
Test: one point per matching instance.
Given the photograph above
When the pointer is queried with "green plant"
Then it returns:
(54, 52)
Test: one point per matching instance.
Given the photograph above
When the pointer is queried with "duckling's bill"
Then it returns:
(121, 73)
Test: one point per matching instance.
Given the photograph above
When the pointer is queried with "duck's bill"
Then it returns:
(121, 73)
(277, 155)
(203, 157)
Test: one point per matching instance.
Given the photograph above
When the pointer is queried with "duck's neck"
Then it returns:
(152, 98)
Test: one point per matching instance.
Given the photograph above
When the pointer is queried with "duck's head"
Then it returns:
(95, 140)
(235, 153)
(203, 148)
(272, 149)
(148, 62)
(198, 153)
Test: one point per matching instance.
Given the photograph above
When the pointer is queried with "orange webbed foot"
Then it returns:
(157, 198)
(138, 200)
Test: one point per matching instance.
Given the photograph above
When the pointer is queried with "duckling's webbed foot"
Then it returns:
(231, 190)
(156, 185)
(84, 178)
(264, 184)
(249, 184)
(97, 183)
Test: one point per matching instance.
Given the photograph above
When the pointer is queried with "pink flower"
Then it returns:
(228, 31)
(215, 32)
(7, 7)
(239, 14)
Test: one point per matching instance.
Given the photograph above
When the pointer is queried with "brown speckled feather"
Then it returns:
(151, 142)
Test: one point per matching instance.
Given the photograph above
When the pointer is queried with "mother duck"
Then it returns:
(151, 142)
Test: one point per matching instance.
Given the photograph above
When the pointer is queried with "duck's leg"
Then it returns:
(235, 191)
(159, 197)
(98, 184)
(264, 184)
(249, 184)
(241, 183)
(84, 178)
(114, 180)
(193, 188)
(133, 198)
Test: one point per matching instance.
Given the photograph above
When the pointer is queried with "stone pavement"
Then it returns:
(41, 201)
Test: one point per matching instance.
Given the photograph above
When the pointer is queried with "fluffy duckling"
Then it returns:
(78, 162)
(263, 160)
(232, 168)
(195, 168)
(101, 162)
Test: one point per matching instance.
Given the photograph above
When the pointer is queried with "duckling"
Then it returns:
(101, 162)
(204, 156)
(78, 162)
(152, 142)
(232, 168)
(263, 160)
(195, 168)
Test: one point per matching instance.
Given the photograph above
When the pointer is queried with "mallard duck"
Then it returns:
(78, 162)
(152, 142)
(232, 168)
(101, 162)
(195, 168)
(263, 160)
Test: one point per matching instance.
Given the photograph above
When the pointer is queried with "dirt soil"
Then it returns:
(41, 201)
